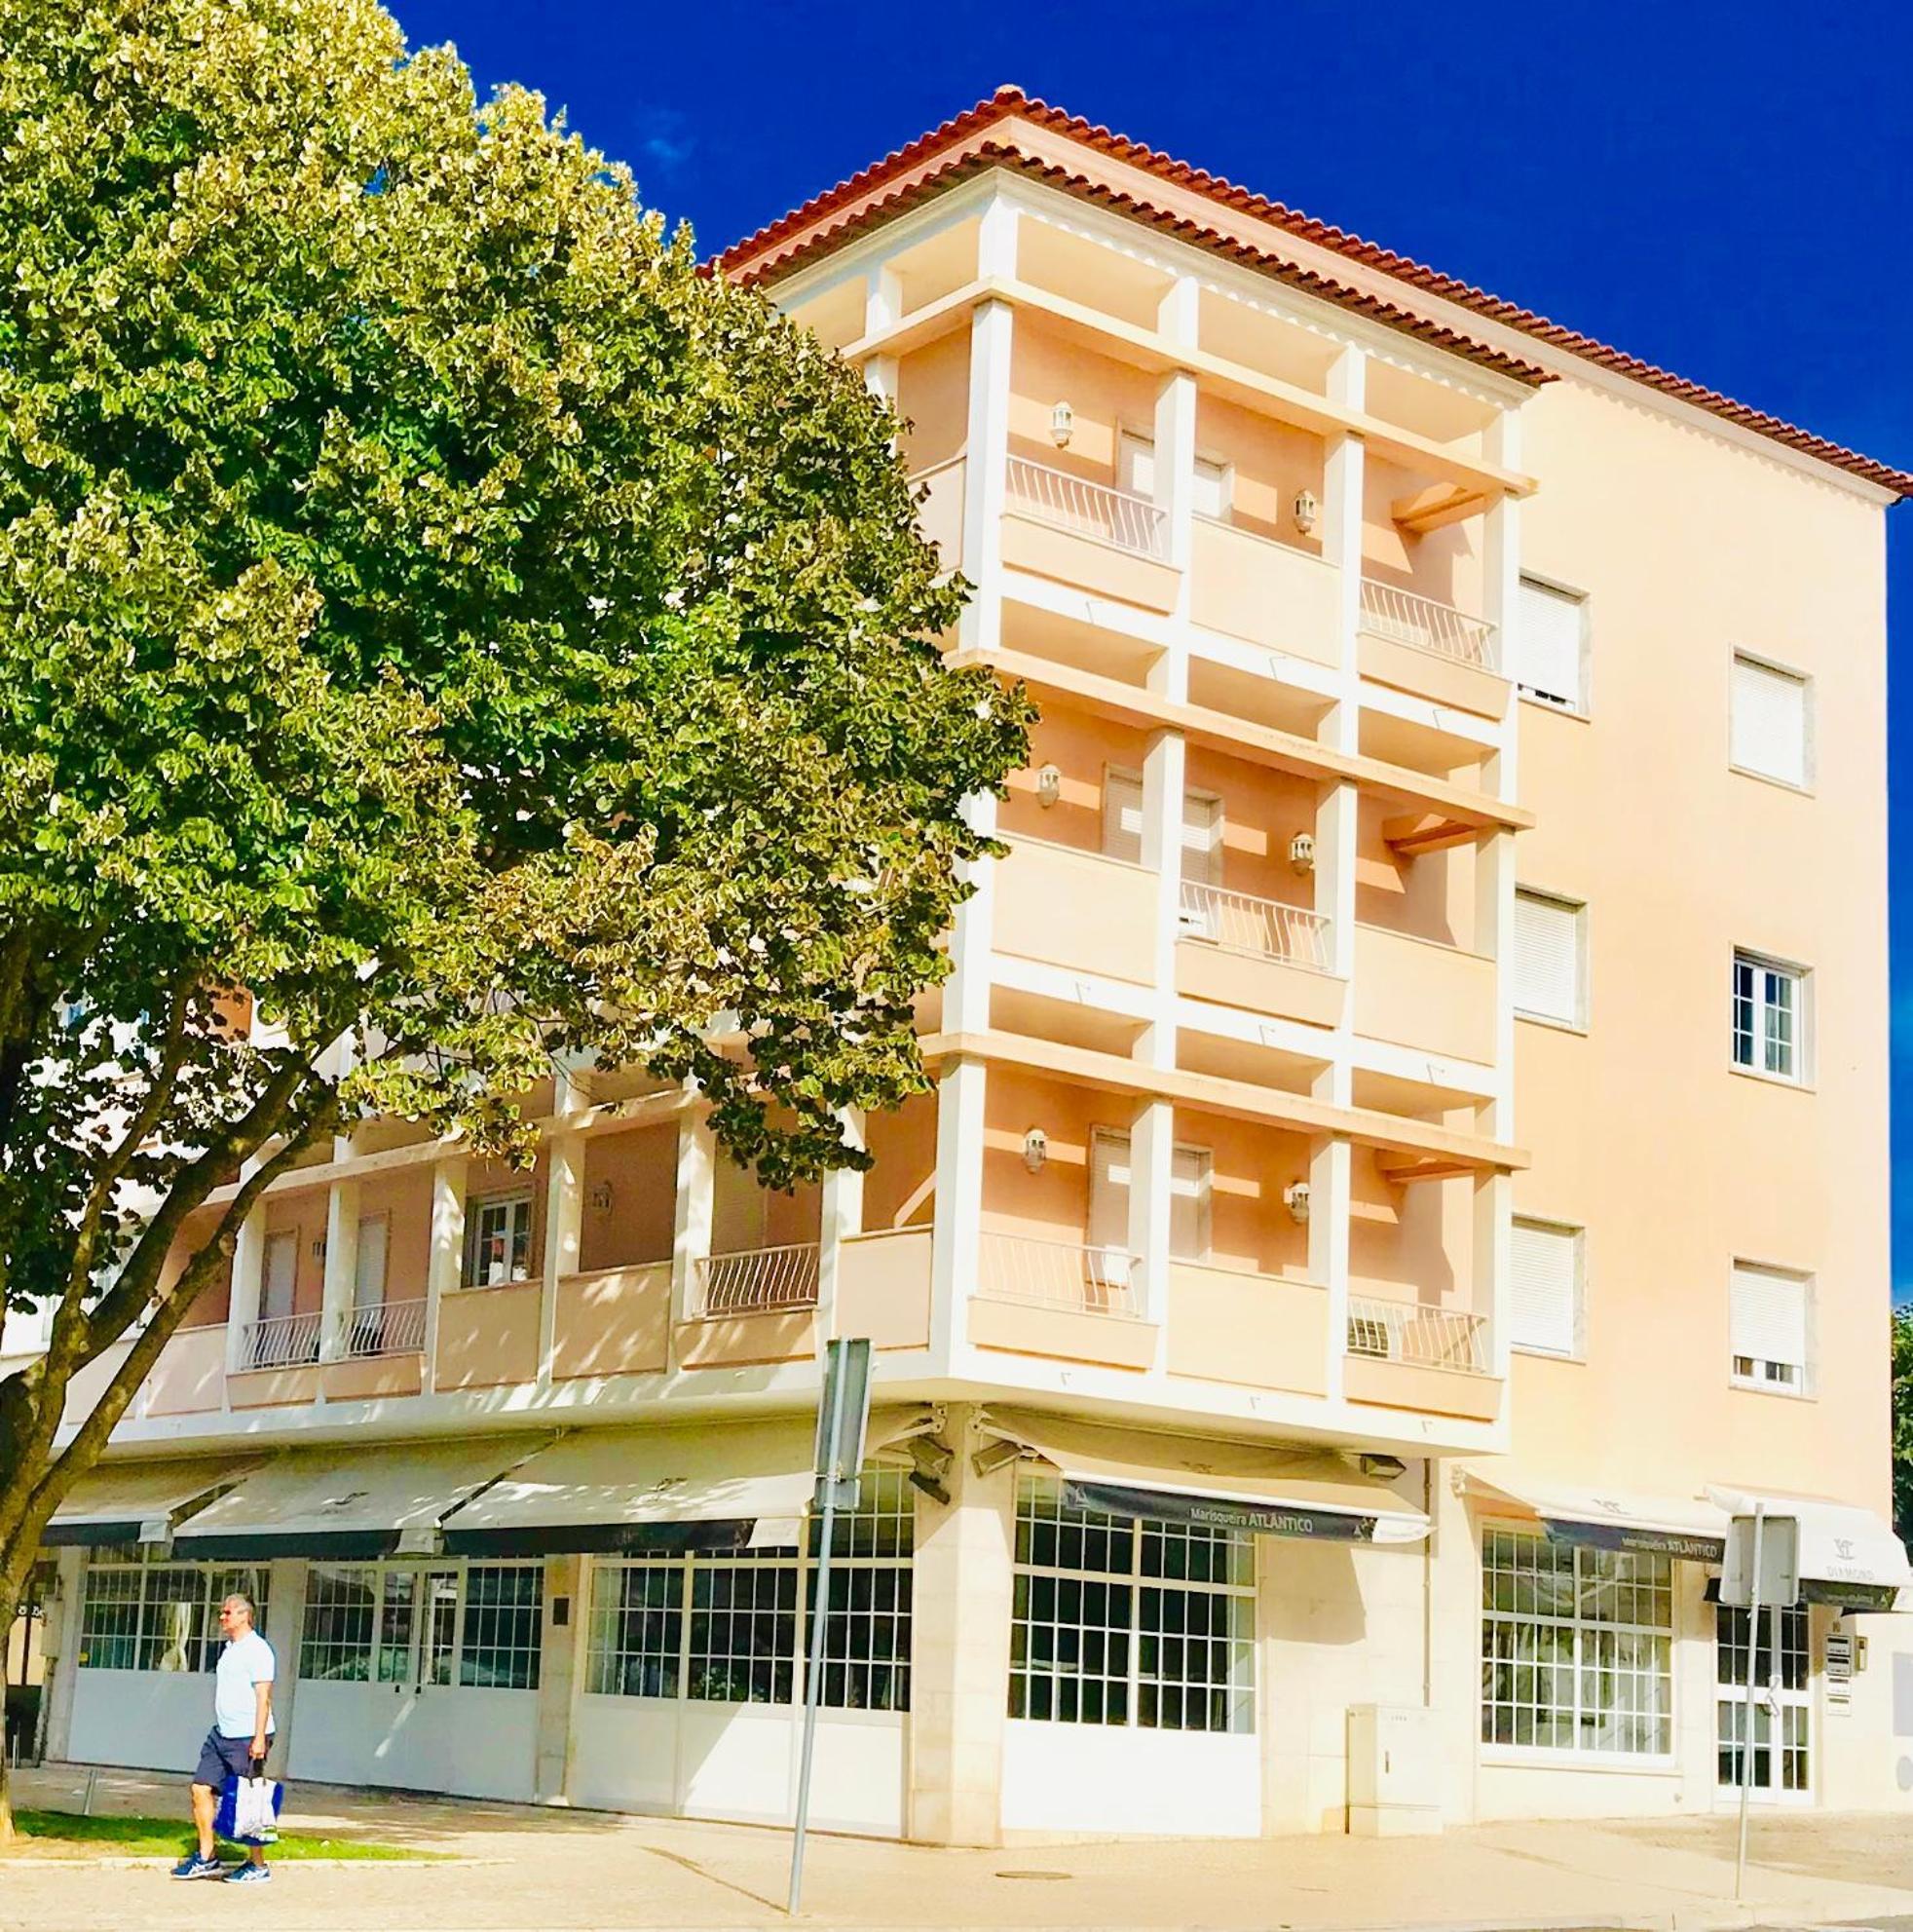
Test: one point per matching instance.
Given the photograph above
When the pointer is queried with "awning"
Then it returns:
(349, 1504)
(723, 1486)
(1265, 1489)
(1610, 1519)
(137, 1502)
(1849, 1556)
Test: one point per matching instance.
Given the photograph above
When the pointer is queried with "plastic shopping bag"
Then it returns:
(248, 1810)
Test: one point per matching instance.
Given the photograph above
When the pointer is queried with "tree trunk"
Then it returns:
(13, 1572)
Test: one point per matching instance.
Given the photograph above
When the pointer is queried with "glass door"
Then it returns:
(1783, 1701)
(438, 1628)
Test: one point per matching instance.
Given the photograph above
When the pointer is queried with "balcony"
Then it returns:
(1256, 1330)
(1060, 1299)
(883, 1287)
(384, 1353)
(1431, 650)
(1067, 907)
(1087, 534)
(1259, 955)
(488, 1337)
(1417, 993)
(753, 1306)
(1407, 1355)
(612, 1321)
(1265, 592)
(277, 1361)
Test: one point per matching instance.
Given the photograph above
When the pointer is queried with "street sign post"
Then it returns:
(1761, 1570)
(842, 1421)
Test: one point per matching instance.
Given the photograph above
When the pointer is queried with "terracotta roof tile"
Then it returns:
(781, 244)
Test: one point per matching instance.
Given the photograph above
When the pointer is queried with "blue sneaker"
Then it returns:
(193, 1866)
(248, 1874)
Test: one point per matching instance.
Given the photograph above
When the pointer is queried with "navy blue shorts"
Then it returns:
(223, 1758)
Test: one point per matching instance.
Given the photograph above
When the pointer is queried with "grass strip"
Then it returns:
(172, 1837)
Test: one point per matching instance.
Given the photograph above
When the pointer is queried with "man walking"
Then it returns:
(242, 1732)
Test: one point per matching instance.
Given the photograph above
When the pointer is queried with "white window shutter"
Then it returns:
(1547, 654)
(1544, 1288)
(1212, 490)
(1109, 1190)
(1202, 839)
(1548, 958)
(1769, 722)
(1136, 465)
(369, 1273)
(1122, 816)
(1189, 1172)
(1769, 1317)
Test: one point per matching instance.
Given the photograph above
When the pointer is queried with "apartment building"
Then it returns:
(1408, 1159)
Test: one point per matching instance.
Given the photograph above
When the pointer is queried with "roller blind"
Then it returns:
(1548, 958)
(1548, 657)
(1770, 721)
(1108, 1195)
(1122, 816)
(1544, 1289)
(1769, 1317)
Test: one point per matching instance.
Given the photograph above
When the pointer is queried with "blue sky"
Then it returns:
(1723, 189)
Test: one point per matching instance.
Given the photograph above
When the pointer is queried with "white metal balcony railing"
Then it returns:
(280, 1341)
(396, 1328)
(1294, 934)
(1056, 1274)
(1427, 1338)
(1091, 509)
(1402, 616)
(757, 1279)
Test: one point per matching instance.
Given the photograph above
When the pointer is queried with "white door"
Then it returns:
(420, 1676)
(281, 1277)
(1782, 1703)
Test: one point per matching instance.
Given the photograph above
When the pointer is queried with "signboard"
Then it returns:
(1691, 1545)
(1778, 1543)
(842, 1417)
(1839, 1667)
(1263, 1519)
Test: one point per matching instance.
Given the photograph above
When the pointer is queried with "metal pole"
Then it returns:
(814, 1677)
(1746, 1740)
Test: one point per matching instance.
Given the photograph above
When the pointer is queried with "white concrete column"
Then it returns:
(446, 1264)
(1152, 1152)
(558, 1665)
(249, 1284)
(963, 1594)
(1329, 1179)
(564, 1227)
(966, 992)
(956, 1239)
(986, 448)
(1342, 486)
(1165, 766)
(882, 307)
(285, 1616)
(341, 1269)
(60, 1647)
(696, 1193)
(841, 1215)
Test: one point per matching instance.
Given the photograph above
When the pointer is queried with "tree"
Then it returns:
(434, 613)
(1903, 1423)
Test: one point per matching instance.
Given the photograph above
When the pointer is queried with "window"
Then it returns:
(1130, 1621)
(1545, 1292)
(279, 1281)
(1770, 1017)
(727, 1629)
(499, 1248)
(1202, 827)
(1549, 951)
(1549, 659)
(1136, 473)
(1791, 1699)
(483, 1624)
(1768, 1324)
(1768, 734)
(1190, 1184)
(137, 1613)
(1577, 1647)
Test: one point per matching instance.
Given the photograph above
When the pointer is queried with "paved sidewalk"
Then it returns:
(545, 1871)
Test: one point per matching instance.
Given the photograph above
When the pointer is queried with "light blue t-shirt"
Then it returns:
(244, 1662)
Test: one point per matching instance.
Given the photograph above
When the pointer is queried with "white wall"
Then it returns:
(154, 1720)
(1120, 1778)
(476, 1743)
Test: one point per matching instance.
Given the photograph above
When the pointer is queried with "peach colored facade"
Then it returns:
(1338, 1067)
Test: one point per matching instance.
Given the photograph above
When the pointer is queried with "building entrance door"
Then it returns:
(422, 1675)
(1782, 1714)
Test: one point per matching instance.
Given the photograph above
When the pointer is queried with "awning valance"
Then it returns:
(1849, 1556)
(1611, 1519)
(351, 1505)
(727, 1485)
(138, 1502)
(1265, 1489)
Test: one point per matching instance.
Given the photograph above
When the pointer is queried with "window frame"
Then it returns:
(1804, 1387)
(475, 1213)
(1758, 661)
(1802, 979)
(1578, 908)
(1584, 705)
(1576, 1754)
(143, 1563)
(1578, 1233)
